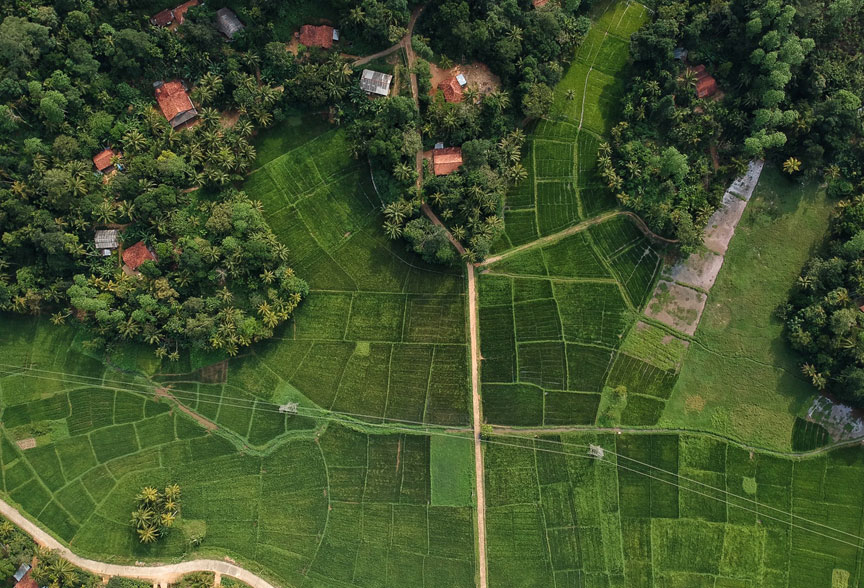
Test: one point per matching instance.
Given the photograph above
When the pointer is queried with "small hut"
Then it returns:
(228, 23)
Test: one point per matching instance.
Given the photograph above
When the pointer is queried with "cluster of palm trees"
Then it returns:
(155, 512)
(55, 572)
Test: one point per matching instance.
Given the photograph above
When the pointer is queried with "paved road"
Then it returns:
(162, 574)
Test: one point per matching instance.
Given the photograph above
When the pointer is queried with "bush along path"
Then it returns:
(161, 575)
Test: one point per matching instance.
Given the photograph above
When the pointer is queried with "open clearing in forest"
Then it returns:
(747, 377)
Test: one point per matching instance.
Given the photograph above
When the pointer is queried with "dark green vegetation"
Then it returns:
(788, 86)
(740, 377)
(670, 511)
(823, 318)
(155, 512)
(18, 548)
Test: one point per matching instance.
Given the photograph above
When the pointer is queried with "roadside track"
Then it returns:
(160, 575)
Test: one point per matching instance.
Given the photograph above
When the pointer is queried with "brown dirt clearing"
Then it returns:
(476, 74)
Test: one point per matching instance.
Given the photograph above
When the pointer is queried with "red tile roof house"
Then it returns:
(102, 160)
(172, 16)
(175, 103)
(706, 85)
(445, 161)
(452, 89)
(316, 36)
(134, 256)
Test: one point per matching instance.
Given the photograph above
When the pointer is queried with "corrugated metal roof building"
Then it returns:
(375, 82)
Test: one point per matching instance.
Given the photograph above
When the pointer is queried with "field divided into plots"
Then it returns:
(562, 187)
(670, 511)
(552, 319)
(382, 333)
(334, 507)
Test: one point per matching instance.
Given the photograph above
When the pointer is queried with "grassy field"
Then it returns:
(740, 378)
(670, 511)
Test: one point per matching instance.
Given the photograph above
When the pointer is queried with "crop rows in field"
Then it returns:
(382, 333)
(701, 514)
(563, 186)
(551, 320)
(342, 507)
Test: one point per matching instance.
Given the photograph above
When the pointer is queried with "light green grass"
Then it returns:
(451, 469)
(740, 378)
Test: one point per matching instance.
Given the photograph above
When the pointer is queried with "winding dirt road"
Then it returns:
(161, 574)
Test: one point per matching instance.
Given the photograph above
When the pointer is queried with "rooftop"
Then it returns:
(137, 254)
(227, 22)
(375, 82)
(175, 103)
(445, 161)
(318, 36)
(102, 160)
(452, 90)
(107, 239)
(706, 85)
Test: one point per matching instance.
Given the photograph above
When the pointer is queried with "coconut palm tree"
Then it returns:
(571, 94)
(392, 229)
(403, 172)
(148, 534)
(792, 165)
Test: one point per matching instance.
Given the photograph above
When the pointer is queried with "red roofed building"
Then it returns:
(706, 85)
(452, 90)
(27, 582)
(134, 256)
(539, 3)
(320, 36)
(445, 161)
(175, 103)
(102, 160)
(173, 16)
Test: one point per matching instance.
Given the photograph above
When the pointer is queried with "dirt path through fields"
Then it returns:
(159, 574)
(478, 421)
(554, 237)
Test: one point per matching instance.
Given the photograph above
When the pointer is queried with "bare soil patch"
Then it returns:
(216, 373)
(678, 306)
(206, 423)
(229, 118)
(694, 403)
(28, 443)
(698, 270)
(476, 74)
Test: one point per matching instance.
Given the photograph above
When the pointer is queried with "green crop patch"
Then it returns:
(573, 257)
(537, 320)
(587, 367)
(513, 404)
(91, 409)
(46, 464)
(807, 436)
(543, 364)
(642, 411)
(563, 408)
(114, 442)
(636, 269)
(76, 456)
(558, 205)
(594, 312)
(641, 377)
(498, 344)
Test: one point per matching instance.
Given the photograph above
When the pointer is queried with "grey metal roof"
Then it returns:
(375, 82)
(22, 571)
(107, 239)
(227, 22)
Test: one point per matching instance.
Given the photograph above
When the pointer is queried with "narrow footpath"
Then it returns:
(160, 575)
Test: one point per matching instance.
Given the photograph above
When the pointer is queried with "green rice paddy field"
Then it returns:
(372, 483)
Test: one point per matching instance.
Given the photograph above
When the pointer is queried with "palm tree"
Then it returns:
(142, 517)
(357, 15)
(571, 94)
(208, 115)
(392, 229)
(148, 534)
(518, 173)
(791, 165)
(688, 78)
(403, 172)
(149, 495)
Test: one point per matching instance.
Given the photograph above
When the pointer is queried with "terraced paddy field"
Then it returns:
(325, 507)
(371, 482)
(670, 510)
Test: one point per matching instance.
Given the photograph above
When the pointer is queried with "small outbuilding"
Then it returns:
(22, 571)
(375, 82)
(175, 103)
(102, 160)
(461, 79)
(134, 256)
(106, 241)
(446, 160)
(318, 36)
(452, 89)
(26, 580)
(227, 23)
